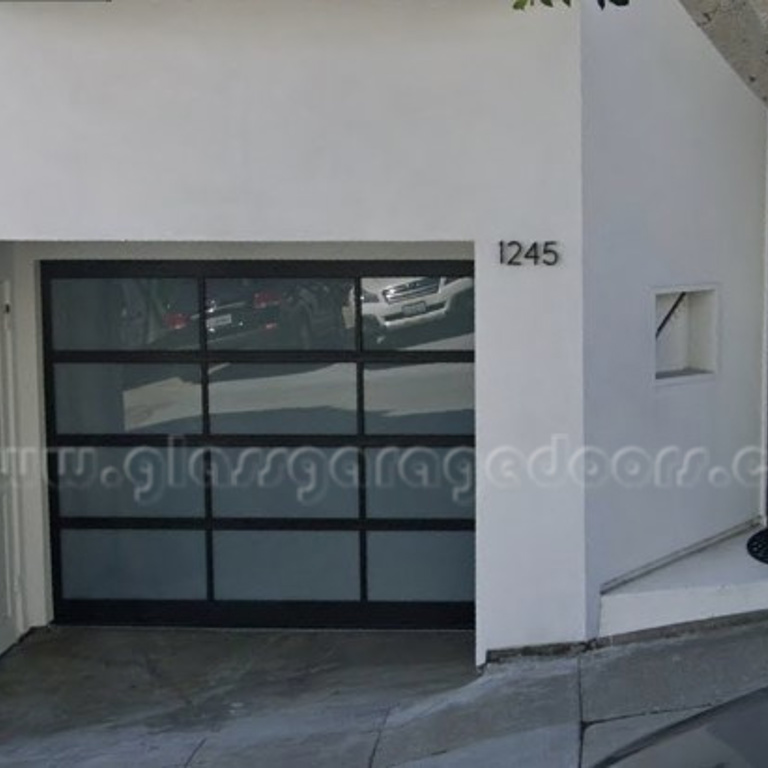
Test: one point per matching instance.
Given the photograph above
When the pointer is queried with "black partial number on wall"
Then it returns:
(514, 253)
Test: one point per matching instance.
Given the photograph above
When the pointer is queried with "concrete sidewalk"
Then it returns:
(98, 698)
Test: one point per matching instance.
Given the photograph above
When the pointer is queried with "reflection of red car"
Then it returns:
(255, 314)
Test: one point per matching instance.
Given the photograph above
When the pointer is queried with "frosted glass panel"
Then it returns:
(125, 313)
(130, 482)
(421, 482)
(416, 566)
(133, 565)
(430, 398)
(279, 565)
(285, 482)
(112, 398)
(283, 399)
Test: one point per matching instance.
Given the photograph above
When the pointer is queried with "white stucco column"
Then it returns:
(530, 529)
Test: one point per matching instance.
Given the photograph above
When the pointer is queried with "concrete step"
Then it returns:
(720, 580)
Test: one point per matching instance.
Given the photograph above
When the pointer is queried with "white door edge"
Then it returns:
(11, 598)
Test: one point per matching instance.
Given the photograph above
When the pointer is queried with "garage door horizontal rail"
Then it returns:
(265, 268)
(262, 441)
(194, 357)
(270, 524)
(294, 615)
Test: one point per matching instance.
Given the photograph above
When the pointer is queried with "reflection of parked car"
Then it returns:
(398, 303)
(731, 735)
(249, 314)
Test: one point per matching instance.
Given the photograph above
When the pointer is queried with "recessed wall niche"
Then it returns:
(686, 333)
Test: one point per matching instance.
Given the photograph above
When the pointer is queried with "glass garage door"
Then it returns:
(261, 444)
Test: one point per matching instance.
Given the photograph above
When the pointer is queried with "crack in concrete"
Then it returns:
(580, 699)
(195, 752)
(155, 674)
(379, 734)
(646, 712)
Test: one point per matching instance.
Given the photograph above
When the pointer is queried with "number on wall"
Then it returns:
(514, 253)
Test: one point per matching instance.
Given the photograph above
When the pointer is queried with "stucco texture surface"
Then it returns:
(739, 30)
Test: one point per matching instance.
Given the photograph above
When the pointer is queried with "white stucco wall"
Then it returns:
(674, 176)
(343, 120)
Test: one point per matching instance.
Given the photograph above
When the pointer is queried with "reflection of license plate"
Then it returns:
(419, 308)
(218, 322)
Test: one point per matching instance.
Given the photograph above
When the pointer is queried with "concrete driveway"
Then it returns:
(101, 698)
(162, 698)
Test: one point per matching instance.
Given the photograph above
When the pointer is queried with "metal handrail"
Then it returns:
(678, 301)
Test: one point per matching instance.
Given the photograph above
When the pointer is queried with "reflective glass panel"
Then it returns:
(421, 566)
(125, 313)
(286, 565)
(285, 482)
(291, 314)
(133, 565)
(425, 313)
(104, 398)
(130, 482)
(429, 398)
(420, 482)
(283, 399)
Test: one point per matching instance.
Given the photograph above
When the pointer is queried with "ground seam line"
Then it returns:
(646, 713)
(582, 724)
(382, 727)
(195, 752)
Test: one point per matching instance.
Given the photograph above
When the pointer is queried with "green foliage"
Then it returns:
(521, 5)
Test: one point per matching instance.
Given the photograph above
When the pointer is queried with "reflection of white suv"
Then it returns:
(395, 303)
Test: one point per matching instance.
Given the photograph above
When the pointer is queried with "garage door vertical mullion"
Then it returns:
(51, 458)
(361, 469)
(206, 424)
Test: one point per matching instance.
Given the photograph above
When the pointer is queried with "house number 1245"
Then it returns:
(536, 254)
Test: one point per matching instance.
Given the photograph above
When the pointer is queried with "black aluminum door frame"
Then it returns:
(236, 613)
